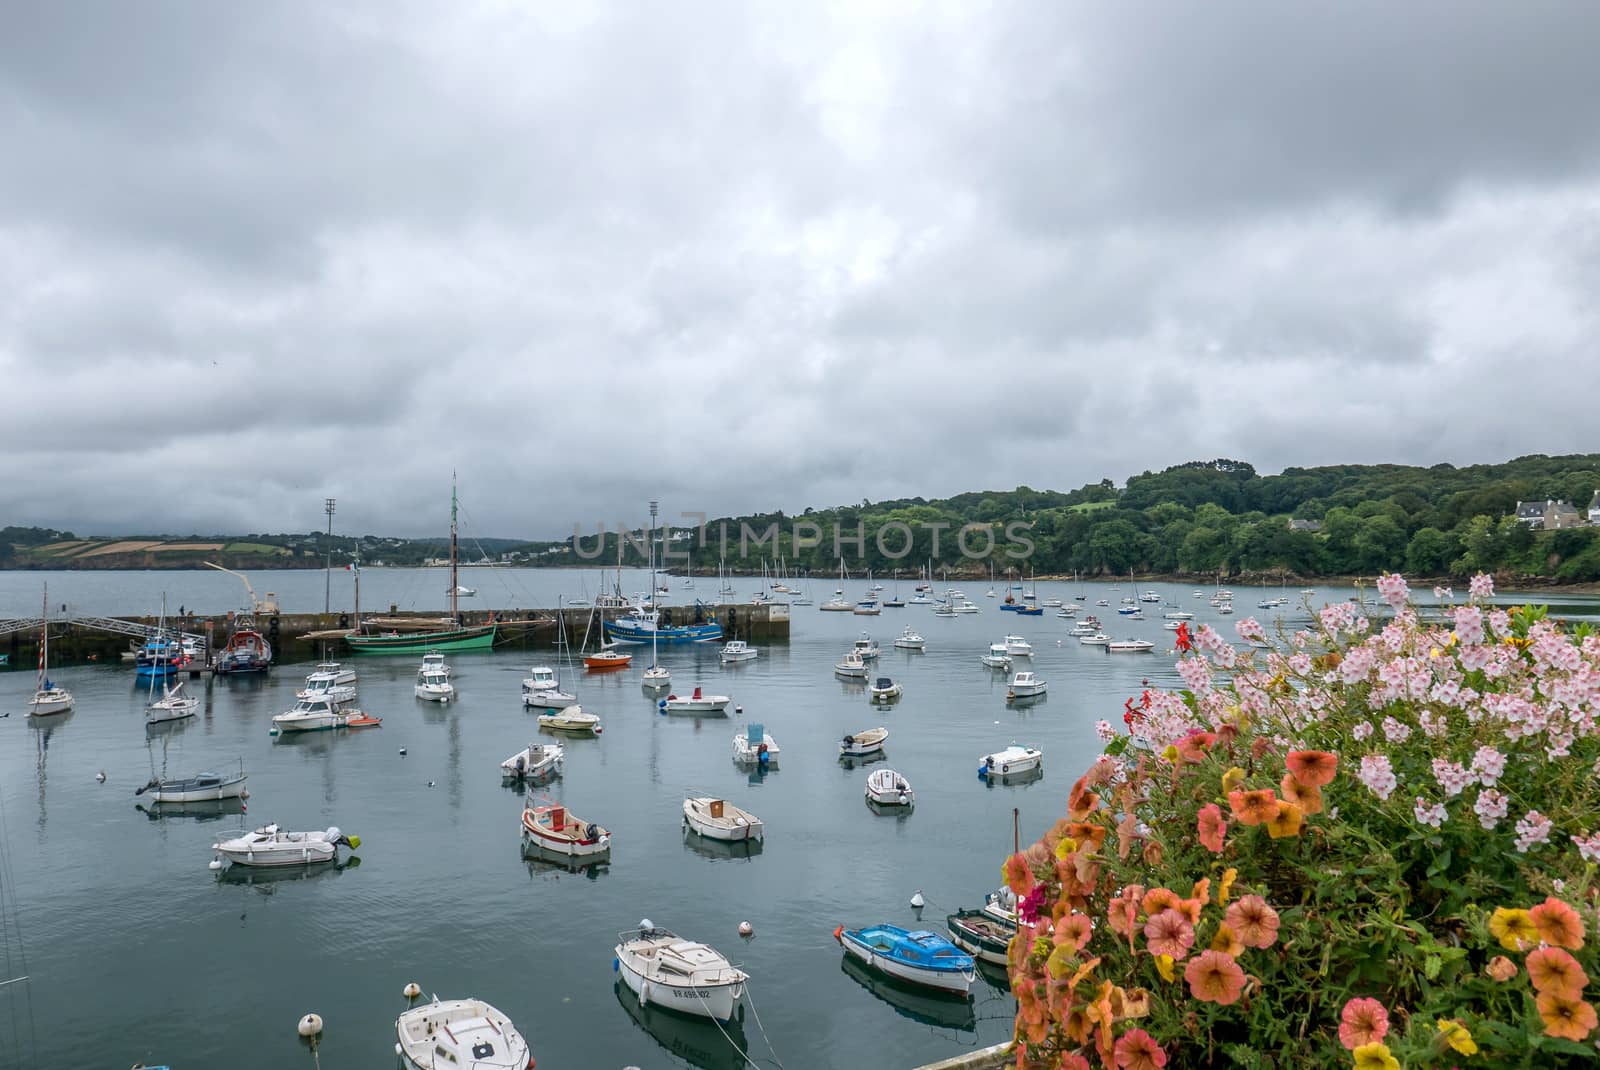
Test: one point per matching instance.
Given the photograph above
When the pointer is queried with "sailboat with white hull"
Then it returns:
(47, 697)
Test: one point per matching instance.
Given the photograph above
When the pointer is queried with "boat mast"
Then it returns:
(44, 637)
(455, 612)
(655, 610)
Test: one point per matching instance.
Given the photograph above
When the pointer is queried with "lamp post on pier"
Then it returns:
(327, 569)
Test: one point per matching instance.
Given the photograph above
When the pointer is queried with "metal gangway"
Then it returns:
(104, 624)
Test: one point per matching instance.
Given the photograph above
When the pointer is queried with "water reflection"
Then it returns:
(195, 811)
(266, 879)
(721, 850)
(1012, 780)
(698, 1041)
(925, 1005)
(543, 862)
(895, 810)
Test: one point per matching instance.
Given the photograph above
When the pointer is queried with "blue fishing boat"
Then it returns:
(158, 658)
(645, 625)
(921, 957)
(1026, 610)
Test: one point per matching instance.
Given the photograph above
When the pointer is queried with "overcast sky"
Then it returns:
(748, 256)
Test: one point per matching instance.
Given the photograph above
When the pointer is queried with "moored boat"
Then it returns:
(863, 742)
(571, 719)
(606, 660)
(202, 787)
(755, 745)
(737, 650)
(247, 651)
(996, 658)
(534, 761)
(173, 705)
(719, 819)
(1025, 685)
(272, 846)
(459, 1034)
(644, 625)
(884, 689)
(851, 667)
(678, 974)
(309, 715)
(48, 698)
(1130, 646)
(1011, 760)
(920, 957)
(1097, 639)
(555, 828)
(433, 684)
(698, 702)
(981, 935)
(330, 680)
(910, 640)
(542, 690)
(1018, 647)
(865, 648)
(888, 788)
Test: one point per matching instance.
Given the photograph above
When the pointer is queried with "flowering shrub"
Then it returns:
(1368, 844)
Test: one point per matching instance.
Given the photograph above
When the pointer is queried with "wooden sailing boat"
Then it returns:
(434, 633)
(47, 697)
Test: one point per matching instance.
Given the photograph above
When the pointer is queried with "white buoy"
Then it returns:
(413, 990)
(244, 793)
(745, 928)
(101, 776)
(738, 709)
(214, 865)
(917, 900)
(398, 1050)
(310, 1025)
(402, 752)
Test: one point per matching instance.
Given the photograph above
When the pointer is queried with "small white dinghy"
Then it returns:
(1009, 762)
(680, 975)
(571, 719)
(271, 846)
(536, 760)
(884, 689)
(461, 1034)
(737, 650)
(698, 702)
(858, 743)
(755, 746)
(888, 788)
(1025, 685)
(718, 819)
(1130, 646)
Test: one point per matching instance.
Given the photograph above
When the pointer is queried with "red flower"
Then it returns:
(1363, 1021)
(1313, 768)
(1138, 1050)
(1213, 827)
(1184, 641)
(1193, 747)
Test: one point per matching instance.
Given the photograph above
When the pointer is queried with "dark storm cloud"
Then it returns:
(755, 256)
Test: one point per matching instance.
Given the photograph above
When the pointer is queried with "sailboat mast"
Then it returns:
(455, 612)
(44, 637)
(655, 625)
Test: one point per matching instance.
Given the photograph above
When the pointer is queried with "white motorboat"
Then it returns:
(888, 788)
(571, 719)
(559, 830)
(541, 689)
(1225, 609)
(202, 787)
(309, 715)
(534, 761)
(1097, 639)
(459, 1034)
(47, 698)
(718, 819)
(963, 606)
(1172, 625)
(997, 658)
(852, 667)
(865, 648)
(755, 746)
(1178, 614)
(1025, 685)
(271, 846)
(1067, 612)
(1130, 646)
(737, 650)
(677, 974)
(1010, 761)
(464, 592)
(864, 742)
(330, 680)
(433, 685)
(1101, 602)
(173, 705)
(1018, 647)
(1083, 627)
(433, 659)
(910, 640)
(1051, 603)
(884, 689)
(699, 702)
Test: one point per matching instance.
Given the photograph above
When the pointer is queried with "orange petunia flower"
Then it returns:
(1313, 768)
(1501, 968)
(1137, 1050)
(1227, 941)
(1286, 822)
(1213, 828)
(1202, 889)
(1558, 924)
(1169, 933)
(1158, 899)
(1225, 885)
(1513, 928)
(1135, 1002)
(1571, 1018)
(1253, 807)
(1254, 921)
(1309, 800)
(1363, 1021)
(1073, 930)
(1018, 877)
(1087, 833)
(1081, 802)
(1069, 1061)
(1214, 978)
(1553, 970)
(1193, 748)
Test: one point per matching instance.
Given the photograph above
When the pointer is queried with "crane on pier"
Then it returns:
(267, 607)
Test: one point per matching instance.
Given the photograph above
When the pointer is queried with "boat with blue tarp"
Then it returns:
(920, 957)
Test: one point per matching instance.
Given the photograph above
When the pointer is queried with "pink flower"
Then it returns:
(1469, 625)
(1250, 628)
(1533, 828)
(1212, 827)
(1104, 730)
(1378, 775)
(1394, 731)
(1138, 1050)
(1392, 586)
(1588, 847)
(1433, 815)
(1169, 933)
(1490, 807)
(1452, 777)
(1482, 586)
(1488, 763)
(1362, 730)
(1363, 1021)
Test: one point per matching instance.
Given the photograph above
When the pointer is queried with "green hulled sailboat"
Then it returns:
(385, 635)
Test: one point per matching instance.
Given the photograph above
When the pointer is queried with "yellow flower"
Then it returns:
(1171, 753)
(1457, 1036)
(1435, 652)
(1232, 779)
(1513, 928)
(1164, 967)
(1375, 1056)
(1062, 958)
(1225, 885)
(1065, 847)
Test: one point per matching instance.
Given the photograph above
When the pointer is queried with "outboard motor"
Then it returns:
(153, 784)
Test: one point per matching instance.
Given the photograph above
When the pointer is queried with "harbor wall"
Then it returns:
(520, 629)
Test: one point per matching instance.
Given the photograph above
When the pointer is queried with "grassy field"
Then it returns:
(254, 548)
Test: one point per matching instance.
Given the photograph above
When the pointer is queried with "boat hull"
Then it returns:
(226, 788)
(423, 642)
(704, 1001)
(978, 934)
(319, 723)
(943, 980)
(50, 704)
(632, 631)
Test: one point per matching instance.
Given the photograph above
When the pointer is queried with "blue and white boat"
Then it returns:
(920, 957)
(643, 625)
(158, 657)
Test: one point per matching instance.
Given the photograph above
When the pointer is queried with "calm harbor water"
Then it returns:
(137, 952)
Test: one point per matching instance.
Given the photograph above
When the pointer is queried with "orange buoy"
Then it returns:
(838, 932)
